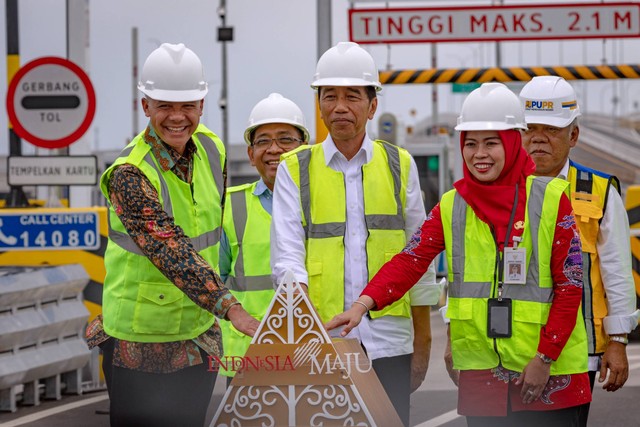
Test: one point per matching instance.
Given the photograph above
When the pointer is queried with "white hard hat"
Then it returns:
(549, 100)
(275, 109)
(492, 106)
(346, 64)
(173, 73)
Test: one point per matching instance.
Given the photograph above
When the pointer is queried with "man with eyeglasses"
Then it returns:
(276, 125)
(344, 207)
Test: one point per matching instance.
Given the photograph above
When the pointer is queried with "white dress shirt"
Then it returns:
(383, 337)
(614, 253)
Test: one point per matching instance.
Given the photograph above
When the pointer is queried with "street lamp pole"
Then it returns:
(17, 198)
(323, 30)
(134, 80)
(498, 50)
(225, 34)
(434, 88)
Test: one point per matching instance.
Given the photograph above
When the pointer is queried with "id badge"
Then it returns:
(515, 266)
(499, 318)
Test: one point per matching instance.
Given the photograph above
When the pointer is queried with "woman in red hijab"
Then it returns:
(517, 342)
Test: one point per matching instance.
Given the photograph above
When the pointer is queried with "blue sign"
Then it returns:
(49, 231)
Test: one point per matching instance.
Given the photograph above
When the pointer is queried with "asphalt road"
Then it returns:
(432, 405)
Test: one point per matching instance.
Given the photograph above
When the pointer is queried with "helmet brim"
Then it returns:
(345, 81)
(558, 122)
(250, 129)
(466, 126)
(174, 95)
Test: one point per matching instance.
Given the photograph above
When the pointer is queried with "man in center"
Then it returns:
(342, 208)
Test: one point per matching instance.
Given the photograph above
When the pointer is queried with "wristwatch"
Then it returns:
(546, 359)
(619, 338)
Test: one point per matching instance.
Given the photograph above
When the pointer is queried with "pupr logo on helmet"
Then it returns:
(540, 105)
(549, 100)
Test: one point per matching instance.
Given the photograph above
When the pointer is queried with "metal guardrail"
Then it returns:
(613, 146)
(42, 321)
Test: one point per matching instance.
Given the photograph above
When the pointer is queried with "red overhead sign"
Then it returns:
(495, 23)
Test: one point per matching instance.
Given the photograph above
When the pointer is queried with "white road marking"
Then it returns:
(440, 419)
(48, 412)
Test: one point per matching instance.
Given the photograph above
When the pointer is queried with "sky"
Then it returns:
(275, 50)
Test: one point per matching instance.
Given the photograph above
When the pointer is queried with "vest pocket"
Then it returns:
(314, 268)
(587, 215)
(466, 333)
(158, 309)
(574, 357)
(528, 318)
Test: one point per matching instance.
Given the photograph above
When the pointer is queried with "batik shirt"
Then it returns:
(137, 205)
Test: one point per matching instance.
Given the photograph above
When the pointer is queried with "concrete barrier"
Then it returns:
(42, 321)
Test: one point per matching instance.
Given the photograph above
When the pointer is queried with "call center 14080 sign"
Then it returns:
(49, 231)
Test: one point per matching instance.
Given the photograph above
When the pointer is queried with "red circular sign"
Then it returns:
(51, 102)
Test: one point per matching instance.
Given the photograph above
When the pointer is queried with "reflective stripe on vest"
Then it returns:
(201, 242)
(471, 252)
(239, 281)
(589, 193)
(247, 225)
(529, 292)
(139, 302)
(337, 229)
(384, 180)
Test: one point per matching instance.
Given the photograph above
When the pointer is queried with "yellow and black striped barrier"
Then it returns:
(510, 74)
(632, 203)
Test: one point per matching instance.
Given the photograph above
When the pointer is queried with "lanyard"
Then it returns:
(500, 255)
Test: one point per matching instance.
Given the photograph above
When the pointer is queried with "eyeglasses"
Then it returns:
(284, 142)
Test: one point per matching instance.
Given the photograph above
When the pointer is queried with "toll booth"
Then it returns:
(430, 153)
(435, 171)
(391, 129)
(432, 161)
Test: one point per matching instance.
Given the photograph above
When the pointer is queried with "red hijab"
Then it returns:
(492, 201)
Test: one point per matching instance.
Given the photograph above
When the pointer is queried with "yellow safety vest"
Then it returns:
(471, 254)
(247, 226)
(589, 192)
(139, 303)
(323, 203)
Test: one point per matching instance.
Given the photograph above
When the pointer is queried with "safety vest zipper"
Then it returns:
(193, 197)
